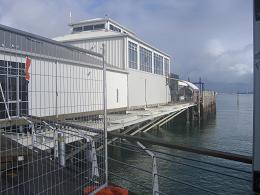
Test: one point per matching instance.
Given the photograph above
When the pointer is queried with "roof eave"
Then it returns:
(121, 35)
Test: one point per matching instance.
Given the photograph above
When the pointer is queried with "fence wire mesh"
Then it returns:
(45, 89)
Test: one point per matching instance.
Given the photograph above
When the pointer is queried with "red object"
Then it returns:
(27, 66)
(110, 190)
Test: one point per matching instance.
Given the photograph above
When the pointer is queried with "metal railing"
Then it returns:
(131, 145)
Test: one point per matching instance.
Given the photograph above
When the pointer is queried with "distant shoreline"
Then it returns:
(240, 93)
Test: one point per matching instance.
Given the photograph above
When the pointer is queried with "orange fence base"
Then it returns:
(110, 190)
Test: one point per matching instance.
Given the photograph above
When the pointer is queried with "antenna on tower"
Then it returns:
(70, 17)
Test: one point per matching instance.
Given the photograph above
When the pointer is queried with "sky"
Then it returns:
(211, 39)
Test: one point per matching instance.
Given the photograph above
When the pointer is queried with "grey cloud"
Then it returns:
(207, 38)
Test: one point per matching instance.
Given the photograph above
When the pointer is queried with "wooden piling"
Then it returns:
(208, 105)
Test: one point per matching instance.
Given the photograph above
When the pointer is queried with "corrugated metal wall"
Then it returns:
(114, 49)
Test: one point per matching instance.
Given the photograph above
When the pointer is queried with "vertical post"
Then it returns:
(105, 111)
(237, 99)
(94, 159)
(33, 138)
(61, 149)
(18, 91)
(56, 145)
(145, 98)
(6, 107)
(188, 117)
(198, 106)
(192, 115)
(56, 90)
(256, 123)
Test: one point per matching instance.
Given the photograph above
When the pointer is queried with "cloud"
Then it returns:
(47, 18)
(211, 39)
(215, 48)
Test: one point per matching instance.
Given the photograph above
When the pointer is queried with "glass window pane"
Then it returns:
(89, 27)
(77, 29)
(99, 26)
(132, 55)
(145, 60)
(158, 64)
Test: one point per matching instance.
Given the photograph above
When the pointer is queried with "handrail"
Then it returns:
(197, 150)
(183, 157)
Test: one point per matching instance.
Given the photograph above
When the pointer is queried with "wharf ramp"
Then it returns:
(135, 117)
(132, 122)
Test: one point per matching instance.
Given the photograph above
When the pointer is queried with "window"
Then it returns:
(113, 28)
(89, 27)
(94, 27)
(77, 29)
(132, 55)
(99, 26)
(166, 66)
(12, 94)
(158, 64)
(145, 60)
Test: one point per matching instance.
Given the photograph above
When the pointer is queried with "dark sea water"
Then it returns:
(231, 131)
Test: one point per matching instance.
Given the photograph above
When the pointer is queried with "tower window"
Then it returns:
(113, 28)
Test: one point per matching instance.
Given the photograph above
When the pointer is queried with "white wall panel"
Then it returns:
(80, 89)
(147, 89)
(116, 82)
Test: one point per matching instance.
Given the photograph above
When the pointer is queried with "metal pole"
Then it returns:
(18, 91)
(61, 149)
(256, 121)
(105, 111)
(6, 107)
(56, 90)
(198, 107)
(155, 179)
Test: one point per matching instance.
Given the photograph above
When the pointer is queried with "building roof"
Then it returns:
(86, 35)
(187, 83)
(100, 20)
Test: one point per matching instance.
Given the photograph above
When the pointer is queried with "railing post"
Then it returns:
(105, 111)
(61, 149)
(155, 177)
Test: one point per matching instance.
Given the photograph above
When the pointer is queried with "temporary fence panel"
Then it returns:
(45, 88)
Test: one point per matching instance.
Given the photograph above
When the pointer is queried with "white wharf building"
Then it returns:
(137, 72)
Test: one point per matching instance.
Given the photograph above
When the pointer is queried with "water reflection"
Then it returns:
(230, 130)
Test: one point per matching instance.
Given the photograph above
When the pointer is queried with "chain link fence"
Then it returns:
(45, 88)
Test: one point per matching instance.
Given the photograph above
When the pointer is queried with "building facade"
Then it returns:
(144, 82)
(41, 77)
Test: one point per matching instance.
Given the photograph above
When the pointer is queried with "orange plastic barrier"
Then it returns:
(110, 190)
(27, 66)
